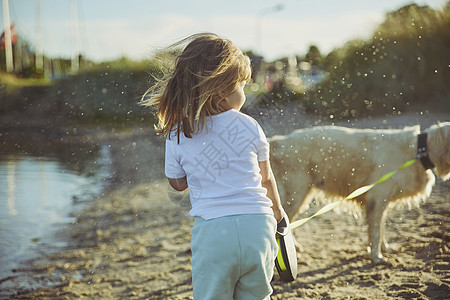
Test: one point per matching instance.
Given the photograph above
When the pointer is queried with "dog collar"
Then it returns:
(422, 151)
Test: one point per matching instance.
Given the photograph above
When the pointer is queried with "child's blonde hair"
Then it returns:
(207, 70)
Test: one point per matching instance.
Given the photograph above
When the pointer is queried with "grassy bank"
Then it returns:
(106, 94)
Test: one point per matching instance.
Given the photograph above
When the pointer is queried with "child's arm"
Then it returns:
(268, 182)
(180, 184)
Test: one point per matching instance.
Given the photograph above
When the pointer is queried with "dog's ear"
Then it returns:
(274, 145)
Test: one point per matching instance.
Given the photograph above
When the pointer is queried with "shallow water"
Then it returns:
(38, 195)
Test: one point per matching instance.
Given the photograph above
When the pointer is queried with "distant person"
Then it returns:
(222, 155)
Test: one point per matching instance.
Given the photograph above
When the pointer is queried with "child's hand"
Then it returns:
(179, 184)
(279, 215)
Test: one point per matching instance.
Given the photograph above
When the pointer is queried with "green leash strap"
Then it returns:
(355, 194)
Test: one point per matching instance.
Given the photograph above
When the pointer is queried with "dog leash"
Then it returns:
(356, 193)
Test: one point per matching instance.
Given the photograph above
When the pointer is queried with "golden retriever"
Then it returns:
(333, 161)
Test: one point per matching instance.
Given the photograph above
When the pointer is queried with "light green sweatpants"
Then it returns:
(233, 257)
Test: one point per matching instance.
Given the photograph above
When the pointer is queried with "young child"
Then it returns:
(222, 155)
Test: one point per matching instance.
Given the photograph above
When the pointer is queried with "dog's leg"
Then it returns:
(294, 197)
(385, 247)
(375, 216)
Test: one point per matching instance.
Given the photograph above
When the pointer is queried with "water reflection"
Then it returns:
(10, 177)
(38, 194)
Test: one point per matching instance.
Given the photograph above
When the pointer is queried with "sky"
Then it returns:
(110, 29)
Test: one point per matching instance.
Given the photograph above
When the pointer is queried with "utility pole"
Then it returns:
(39, 60)
(18, 64)
(74, 36)
(259, 16)
(8, 43)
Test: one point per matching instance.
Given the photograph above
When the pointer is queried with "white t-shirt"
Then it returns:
(221, 166)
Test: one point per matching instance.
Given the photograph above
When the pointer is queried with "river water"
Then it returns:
(39, 194)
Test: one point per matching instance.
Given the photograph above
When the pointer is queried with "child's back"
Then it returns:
(221, 165)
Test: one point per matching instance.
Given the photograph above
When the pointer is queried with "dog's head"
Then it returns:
(439, 148)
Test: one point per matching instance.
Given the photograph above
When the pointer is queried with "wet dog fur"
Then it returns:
(333, 161)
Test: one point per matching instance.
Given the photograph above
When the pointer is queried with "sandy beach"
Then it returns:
(133, 242)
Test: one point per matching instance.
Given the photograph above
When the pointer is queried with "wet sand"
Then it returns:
(133, 241)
